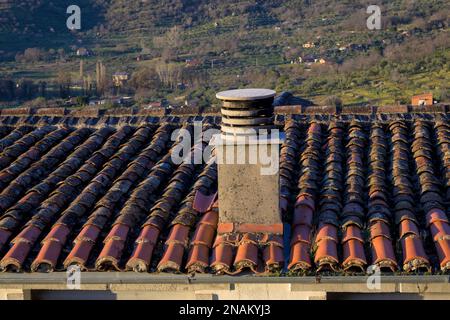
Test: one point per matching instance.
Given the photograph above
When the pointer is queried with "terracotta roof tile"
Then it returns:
(202, 241)
(44, 214)
(223, 253)
(247, 254)
(106, 195)
(10, 137)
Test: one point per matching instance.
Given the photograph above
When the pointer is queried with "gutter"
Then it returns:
(145, 278)
(145, 286)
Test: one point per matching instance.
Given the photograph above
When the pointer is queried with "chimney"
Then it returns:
(248, 151)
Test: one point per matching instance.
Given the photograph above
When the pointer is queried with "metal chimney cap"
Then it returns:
(245, 94)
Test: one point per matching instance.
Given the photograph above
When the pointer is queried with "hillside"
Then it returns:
(193, 48)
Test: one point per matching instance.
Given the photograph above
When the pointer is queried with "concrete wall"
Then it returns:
(228, 291)
(130, 285)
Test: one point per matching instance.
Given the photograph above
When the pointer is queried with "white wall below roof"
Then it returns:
(122, 286)
(236, 292)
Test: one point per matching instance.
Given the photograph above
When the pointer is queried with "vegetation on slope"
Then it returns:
(192, 48)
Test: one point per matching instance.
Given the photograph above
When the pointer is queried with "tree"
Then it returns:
(6, 90)
(25, 89)
(334, 101)
(443, 94)
(101, 78)
(97, 74)
(34, 55)
(173, 37)
(145, 78)
(64, 81)
(169, 73)
(42, 88)
(170, 42)
(81, 69)
(81, 100)
(39, 102)
(195, 77)
(61, 53)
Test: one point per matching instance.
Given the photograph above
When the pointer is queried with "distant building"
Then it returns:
(114, 101)
(308, 60)
(309, 45)
(142, 57)
(193, 62)
(124, 101)
(119, 78)
(97, 102)
(156, 104)
(83, 52)
(192, 102)
(425, 99)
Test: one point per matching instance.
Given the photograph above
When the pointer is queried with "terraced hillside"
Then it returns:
(207, 45)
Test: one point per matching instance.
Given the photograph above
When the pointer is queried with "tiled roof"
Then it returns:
(106, 195)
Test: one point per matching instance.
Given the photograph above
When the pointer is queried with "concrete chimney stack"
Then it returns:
(248, 163)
